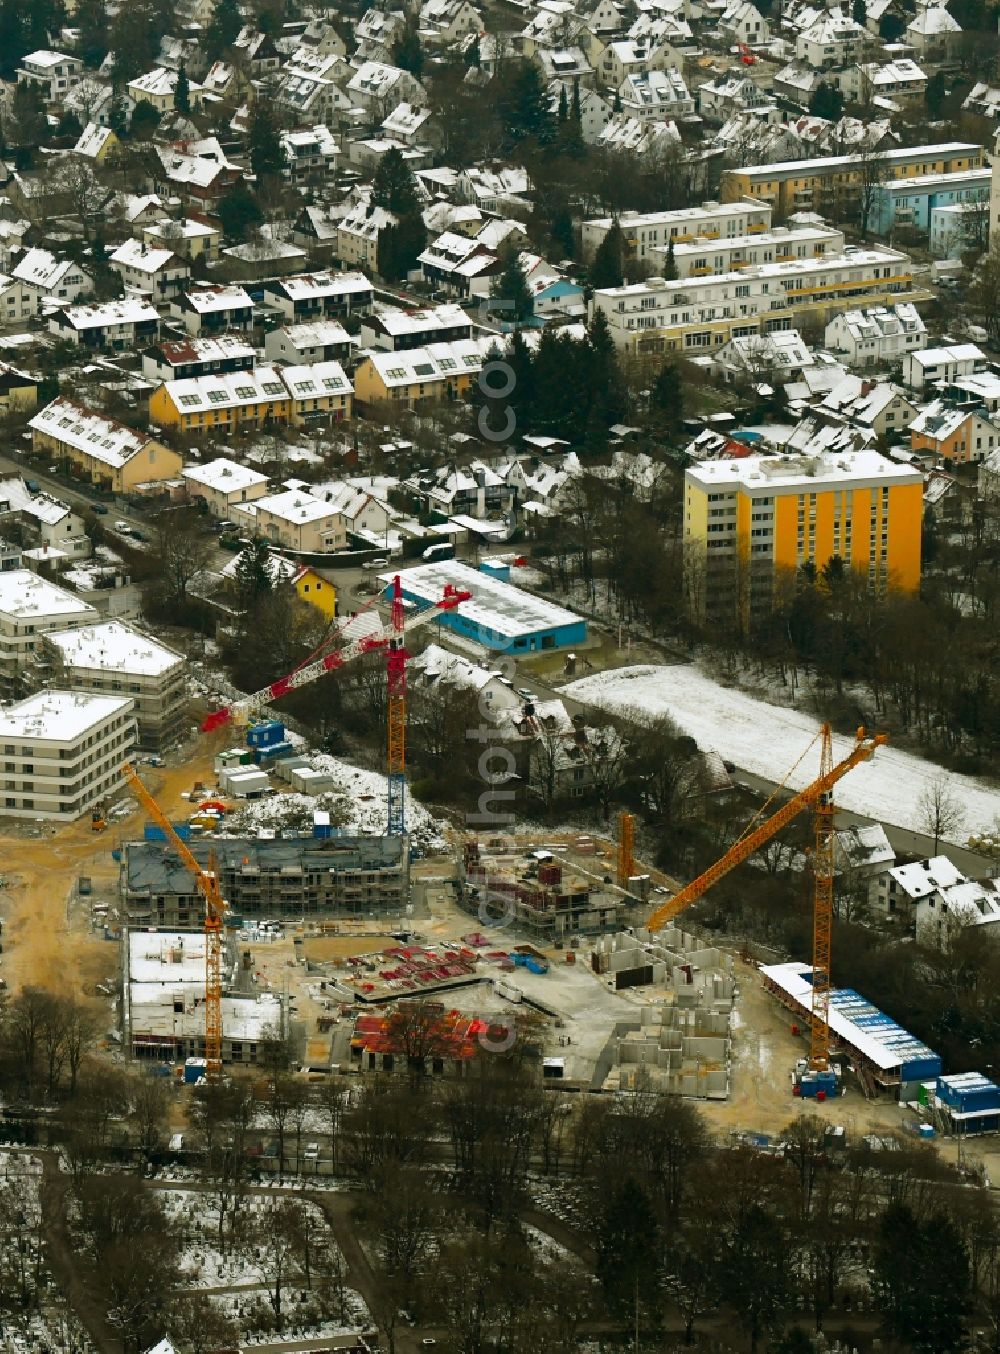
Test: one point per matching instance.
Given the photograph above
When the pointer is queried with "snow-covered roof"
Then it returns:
(115, 647)
(496, 606)
(42, 269)
(224, 475)
(59, 716)
(295, 507)
(435, 362)
(920, 878)
(209, 300)
(305, 286)
(316, 334)
(133, 310)
(92, 140)
(224, 348)
(145, 258)
(769, 473)
(89, 432)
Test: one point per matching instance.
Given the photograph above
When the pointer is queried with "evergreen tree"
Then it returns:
(473, 55)
(407, 50)
(616, 106)
(182, 91)
(524, 106)
(91, 17)
(935, 93)
(145, 120)
(575, 112)
(826, 102)
(670, 265)
(859, 12)
(521, 363)
(511, 287)
(608, 266)
(252, 575)
(666, 400)
(267, 159)
(223, 28)
(563, 106)
(118, 114)
(609, 401)
(399, 245)
(394, 186)
(923, 1280)
(626, 1247)
(561, 231)
(238, 212)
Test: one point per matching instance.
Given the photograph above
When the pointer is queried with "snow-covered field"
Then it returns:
(357, 805)
(767, 739)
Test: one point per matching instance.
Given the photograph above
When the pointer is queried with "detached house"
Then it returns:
(962, 436)
(47, 277)
(198, 171)
(224, 484)
(882, 334)
(146, 268)
(53, 73)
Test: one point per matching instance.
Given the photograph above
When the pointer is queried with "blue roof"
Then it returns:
(906, 1049)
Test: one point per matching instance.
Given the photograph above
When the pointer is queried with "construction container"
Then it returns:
(194, 1070)
(321, 824)
(266, 734)
(244, 782)
(83, 886)
(550, 874)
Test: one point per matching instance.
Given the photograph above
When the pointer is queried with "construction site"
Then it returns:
(323, 938)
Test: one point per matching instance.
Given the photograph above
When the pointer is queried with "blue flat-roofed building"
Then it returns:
(498, 615)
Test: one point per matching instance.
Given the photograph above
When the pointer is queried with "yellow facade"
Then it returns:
(153, 461)
(370, 388)
(741, 533)
(317, 591)
(254, 414)
(789, 190)
(167, 414)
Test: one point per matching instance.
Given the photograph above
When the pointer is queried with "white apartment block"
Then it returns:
(696, 314)
(725, 255)
(118, 660)
(651, 230)
(29, 606)
(62, 753)
(928, 366)
(54, 73)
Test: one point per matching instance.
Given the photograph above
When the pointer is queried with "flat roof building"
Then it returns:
(498, 615)
(63, 752)
(747, 518)
(119, 659)
(29, 606)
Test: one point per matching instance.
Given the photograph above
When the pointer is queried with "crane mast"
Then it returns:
(395, 668)
(818, 795)
(208, 886)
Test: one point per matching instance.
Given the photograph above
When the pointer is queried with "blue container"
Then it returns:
(814, 1082)
(194, 1070)
(266, 735)
(152, 832)
(116, 854)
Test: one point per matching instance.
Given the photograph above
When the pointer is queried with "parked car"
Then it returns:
(99, 509)
(123, 527)
(375, 564)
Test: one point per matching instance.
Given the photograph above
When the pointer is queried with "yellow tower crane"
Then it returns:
(215, 909)
(818, 795)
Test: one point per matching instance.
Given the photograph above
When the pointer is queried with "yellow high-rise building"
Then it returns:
(748, 520)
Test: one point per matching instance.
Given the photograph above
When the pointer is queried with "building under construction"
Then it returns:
(163, 1011)
(283, 877)
(534, 891)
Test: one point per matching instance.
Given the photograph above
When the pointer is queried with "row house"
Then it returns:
(299, 344)
(115, 325)
(179, 359)
(313, 296)
(437, 372)
(245, 400)
(398, 330)
(213, 310)
(99, 449)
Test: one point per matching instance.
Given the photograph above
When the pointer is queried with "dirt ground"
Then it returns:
(48, 937)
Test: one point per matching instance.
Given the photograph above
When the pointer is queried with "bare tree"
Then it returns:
(940, 810)
(871, 170)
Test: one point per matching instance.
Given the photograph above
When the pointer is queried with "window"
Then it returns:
(189, 400)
